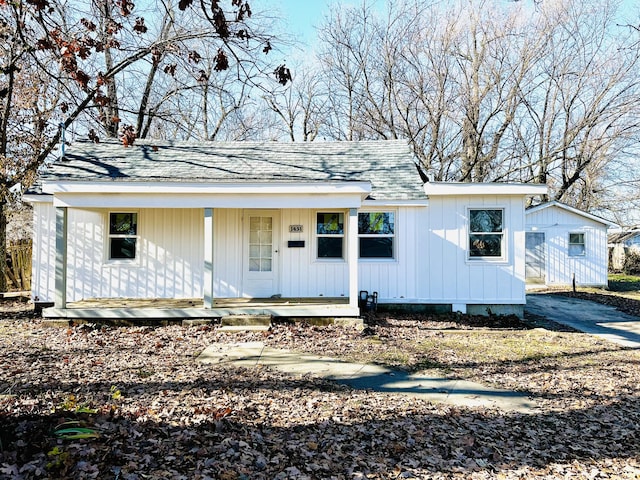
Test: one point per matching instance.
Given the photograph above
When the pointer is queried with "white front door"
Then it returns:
(260, 253)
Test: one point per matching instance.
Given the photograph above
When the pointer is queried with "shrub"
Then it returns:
(632, 262)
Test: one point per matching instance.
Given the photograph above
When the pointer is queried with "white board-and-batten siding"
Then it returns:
(557, 223)
(431, 262)
(450, 276)
(44, 252)
(169, 263)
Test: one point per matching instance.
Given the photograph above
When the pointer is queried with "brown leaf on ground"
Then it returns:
(160, 414)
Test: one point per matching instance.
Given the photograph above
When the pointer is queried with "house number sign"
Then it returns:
(295, 228)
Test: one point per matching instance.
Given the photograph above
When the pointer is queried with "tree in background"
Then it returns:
(490, 91)
(107, 63)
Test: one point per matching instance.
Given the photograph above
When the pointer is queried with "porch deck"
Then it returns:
(192, 308)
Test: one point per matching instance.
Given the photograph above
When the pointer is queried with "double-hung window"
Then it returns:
(330, 234)
(123, 235)
(577, 246)
(376, 234)
(486, 233)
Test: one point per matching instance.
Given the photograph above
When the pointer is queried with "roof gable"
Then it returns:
(572, 210)
(389, 166)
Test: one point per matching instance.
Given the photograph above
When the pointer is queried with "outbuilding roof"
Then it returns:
(573, 210)
(390, 166)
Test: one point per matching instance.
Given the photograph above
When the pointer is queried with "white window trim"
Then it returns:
(502, 259)
(107, 247)
(344, 235)
(584, 245)
(394, 257)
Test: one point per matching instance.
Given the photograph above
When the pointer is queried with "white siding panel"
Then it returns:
(169, 264)
(85, 254)
(451, 249)
(473, 282)
(302, 274)
(44, 252)
(296, 262)
(227, 253)
(405, 276)
(434, 257)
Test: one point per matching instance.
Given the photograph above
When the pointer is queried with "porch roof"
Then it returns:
(388, 166)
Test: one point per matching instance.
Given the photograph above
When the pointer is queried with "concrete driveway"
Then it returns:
(603, 321)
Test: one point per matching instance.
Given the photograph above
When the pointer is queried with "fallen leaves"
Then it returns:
(159, 414)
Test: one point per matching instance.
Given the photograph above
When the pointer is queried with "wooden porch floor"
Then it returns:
(191, 308)
(171, 303)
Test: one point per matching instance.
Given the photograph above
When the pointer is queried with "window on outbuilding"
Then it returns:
(123, 235)
(376, 233)
(486, 233)
(577, 245)
(330, 234)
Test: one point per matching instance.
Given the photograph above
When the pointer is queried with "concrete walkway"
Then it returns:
(603, 321)
(364, 376)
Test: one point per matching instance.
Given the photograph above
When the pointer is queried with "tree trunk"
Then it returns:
(3, 247)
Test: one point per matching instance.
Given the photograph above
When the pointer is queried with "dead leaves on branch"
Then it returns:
(71, 48)
(221, 60)
(128, 135)
(282, 74)
(140, 26)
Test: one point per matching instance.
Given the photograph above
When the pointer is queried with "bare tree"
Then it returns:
(489, 91)
(62, 61)
(300, 108)
(584, 108)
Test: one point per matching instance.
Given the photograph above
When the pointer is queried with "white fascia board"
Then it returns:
(203, 200)
(396, 203)
(37, 198)
(460, 188)
(123, 187)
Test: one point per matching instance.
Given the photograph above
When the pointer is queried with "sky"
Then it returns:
(303, 15)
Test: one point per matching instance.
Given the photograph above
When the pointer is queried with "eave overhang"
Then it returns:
(132, 194)
(459, 188)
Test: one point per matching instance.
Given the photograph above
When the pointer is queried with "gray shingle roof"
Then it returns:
(388, 165)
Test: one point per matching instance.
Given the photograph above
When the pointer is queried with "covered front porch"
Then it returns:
(230, 259)
(193, 308)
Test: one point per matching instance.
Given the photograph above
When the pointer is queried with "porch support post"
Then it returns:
(352, 253)
(60, 299)
(208, 258)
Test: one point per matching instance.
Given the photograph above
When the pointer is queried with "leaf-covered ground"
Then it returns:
(132, 403)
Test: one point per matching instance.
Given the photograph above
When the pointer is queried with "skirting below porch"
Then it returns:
(161, 308)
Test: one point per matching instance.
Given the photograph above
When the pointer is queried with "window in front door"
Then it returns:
(260, 244)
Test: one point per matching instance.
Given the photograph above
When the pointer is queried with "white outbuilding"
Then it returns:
(566, 246)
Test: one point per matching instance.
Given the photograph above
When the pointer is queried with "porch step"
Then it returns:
(244, 328)
(246, 321)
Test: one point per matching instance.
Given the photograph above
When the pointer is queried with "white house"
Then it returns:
(288, 229)
(564, 244)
